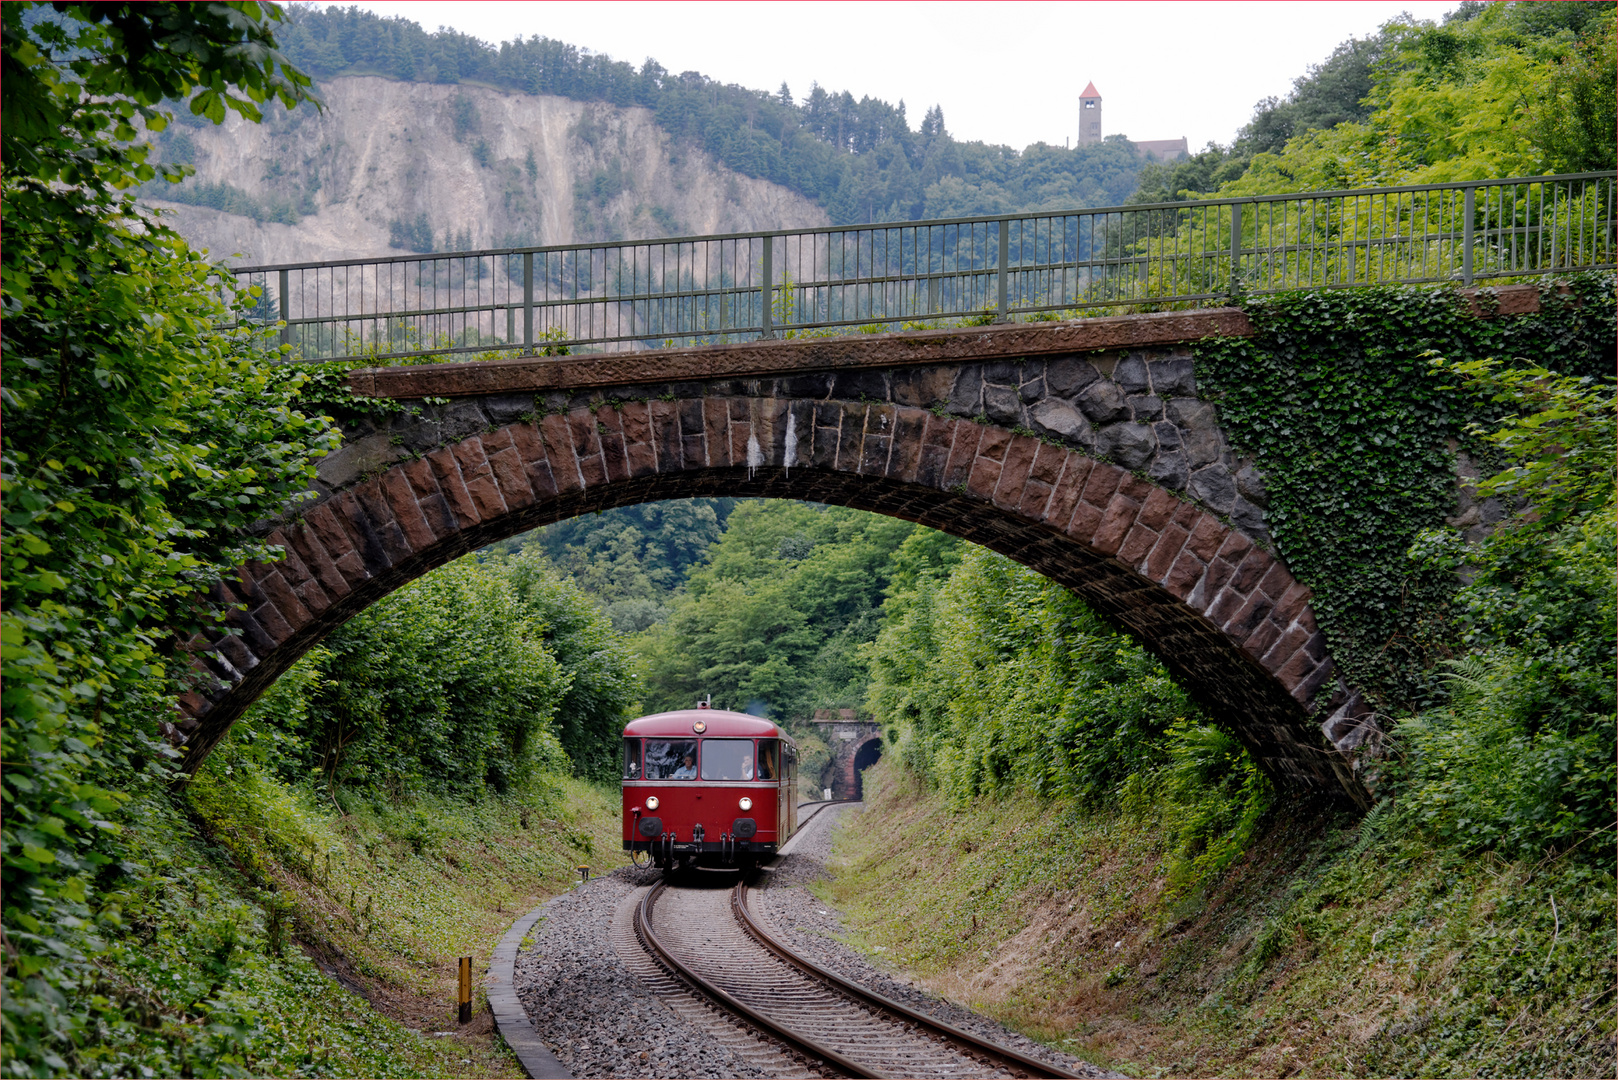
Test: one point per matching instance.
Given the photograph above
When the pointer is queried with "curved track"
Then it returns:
(710, 938)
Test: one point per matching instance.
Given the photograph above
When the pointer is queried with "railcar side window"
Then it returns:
(631, 759)
(671, 759)
(768, 755)
(727, 759)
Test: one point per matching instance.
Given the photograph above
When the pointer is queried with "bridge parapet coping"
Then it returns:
(756, 359)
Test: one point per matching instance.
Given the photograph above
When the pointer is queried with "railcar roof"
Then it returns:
(717, 721)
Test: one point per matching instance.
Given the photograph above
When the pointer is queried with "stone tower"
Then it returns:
(1089, 115)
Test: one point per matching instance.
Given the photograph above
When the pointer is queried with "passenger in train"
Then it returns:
(664, 756)
(727, 759)
(687, 769)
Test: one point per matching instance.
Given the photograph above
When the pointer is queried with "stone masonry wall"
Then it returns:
(1224, 614)
(1133, 408)
(1079, 449)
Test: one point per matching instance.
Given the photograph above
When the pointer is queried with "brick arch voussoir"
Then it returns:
(1225, 616)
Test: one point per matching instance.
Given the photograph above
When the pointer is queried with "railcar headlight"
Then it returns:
(746, 803)
(651, 802)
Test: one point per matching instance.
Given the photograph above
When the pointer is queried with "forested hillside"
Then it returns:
(860, 160)
(631, 561)
(1496, 90)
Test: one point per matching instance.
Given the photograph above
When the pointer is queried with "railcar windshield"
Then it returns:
(769, 751)
(671, 759)
(631, 759)
(727, 759)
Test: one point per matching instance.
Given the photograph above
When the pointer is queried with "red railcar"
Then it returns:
(708, 787)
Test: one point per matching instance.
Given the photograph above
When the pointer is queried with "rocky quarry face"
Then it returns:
(390, 167)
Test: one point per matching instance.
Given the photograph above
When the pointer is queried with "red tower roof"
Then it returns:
(1090, 91)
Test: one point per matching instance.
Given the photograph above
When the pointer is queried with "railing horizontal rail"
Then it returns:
(704, 289)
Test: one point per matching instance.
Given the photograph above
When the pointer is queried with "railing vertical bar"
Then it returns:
(1555, 227)
(766, 287)
(528, 302)
(1507, 226)
(284, 303)
(1381, 246)
(1584, 200)
(1235, 247)
(1000, 277)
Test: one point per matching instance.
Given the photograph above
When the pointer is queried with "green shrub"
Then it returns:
(139, 442)
(991, 680)
(449, 684)
(1210, 796)
(1520, 759)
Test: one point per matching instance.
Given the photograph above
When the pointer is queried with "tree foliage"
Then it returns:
(139, 440)
(631, 559)
(771, 622)
(1496, 90)
(1511, 91)
(599, 670)
(464, 683)
(990, 679)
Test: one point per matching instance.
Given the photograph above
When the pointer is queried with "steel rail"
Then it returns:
(1032, 215)
(657, 297)
(801, 1043)
(1015, 1059)
(728, 287)
(1001, 1056)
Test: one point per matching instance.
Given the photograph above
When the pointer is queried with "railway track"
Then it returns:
(710, 939)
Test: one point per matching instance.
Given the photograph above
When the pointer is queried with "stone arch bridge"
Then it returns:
(1079, 449)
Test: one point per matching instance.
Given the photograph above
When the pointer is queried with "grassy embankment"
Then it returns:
(340, 930)
(1329, 948)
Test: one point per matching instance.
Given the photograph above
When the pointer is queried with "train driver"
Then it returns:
(687, 769)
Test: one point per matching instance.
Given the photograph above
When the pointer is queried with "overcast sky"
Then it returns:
(1004, 72)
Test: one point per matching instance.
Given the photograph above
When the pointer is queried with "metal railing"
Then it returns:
(712, 289)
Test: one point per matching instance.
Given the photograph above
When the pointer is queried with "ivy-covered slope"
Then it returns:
(1356, 430)
(1332, 947)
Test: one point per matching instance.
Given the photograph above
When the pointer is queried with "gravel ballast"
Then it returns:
(809, 927)
(601, 1018)
(594, 1014)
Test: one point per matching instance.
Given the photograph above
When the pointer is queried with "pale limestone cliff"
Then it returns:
(477, 167)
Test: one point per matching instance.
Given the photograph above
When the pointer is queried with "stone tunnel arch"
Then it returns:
(866, 754)
(1224, 615)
